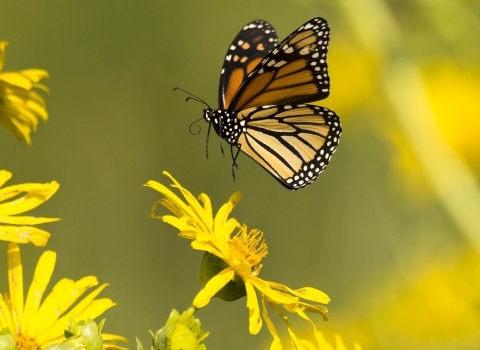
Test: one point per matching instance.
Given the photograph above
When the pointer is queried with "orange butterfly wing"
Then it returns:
(294, 72)
(247, 50)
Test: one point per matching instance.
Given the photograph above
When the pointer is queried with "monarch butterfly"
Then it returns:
(263, 88)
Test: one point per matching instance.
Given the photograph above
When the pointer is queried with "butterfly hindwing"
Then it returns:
(247, 50)
(294, 143)
(294, 72)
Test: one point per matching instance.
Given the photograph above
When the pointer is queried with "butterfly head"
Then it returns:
(225, 124)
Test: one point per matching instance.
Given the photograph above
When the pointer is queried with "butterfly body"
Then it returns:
(264, 88)
(226, 124)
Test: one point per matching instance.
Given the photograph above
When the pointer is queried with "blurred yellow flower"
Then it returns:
(34, 324)
(20, 106)
(236, 259)
(435, 308)
(322, 344)
(454, 93)
(35, 195)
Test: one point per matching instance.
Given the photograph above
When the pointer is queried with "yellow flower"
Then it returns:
(34, 324)
(236, 259)
(323, 344)
(20, 106)
(35, 195)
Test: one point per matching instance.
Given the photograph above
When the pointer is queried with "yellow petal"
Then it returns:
(289, 326)
(15, 281)
(113, 337)
(292, 335)
(113, 347)
(357, 346)
(230, 226)
(340, 343)
(15, 106)
(36, 194)
(93, 310)
(35, 75)
(25, 220)
(322, 342)
(85, 302)
(172, 197)
(170, 206)
(192, 201)
(302, 314)
(41, 87)
(37, 109)
(207, 204)
(26, 95)
(216, 246)
(306, 345)
(277, 297)
(19, 130)
(41, 278)
(180, 223)
(207, 247)
(254, 319)
(3, 45)
(212, 287)
(307, 293)
(65, 294)
(318, 309)
(24, 234)
(224, 211)
(5, 316)
(188, 234)
(47, 313)
(4, 175)
(276, 344)
(16, 79)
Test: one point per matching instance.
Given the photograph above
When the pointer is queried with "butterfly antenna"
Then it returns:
(199, 128)
(193, 97)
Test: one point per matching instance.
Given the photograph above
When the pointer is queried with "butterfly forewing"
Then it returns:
(294, 143)
(247, 50)
(293, 72)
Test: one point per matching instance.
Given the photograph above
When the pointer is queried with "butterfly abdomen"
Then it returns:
(225, 123)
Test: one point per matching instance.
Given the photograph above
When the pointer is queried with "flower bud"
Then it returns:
(6, 339)
(181, 332)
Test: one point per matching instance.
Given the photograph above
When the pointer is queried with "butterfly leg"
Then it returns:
(208, 135)
(220, 136)
(234, 159)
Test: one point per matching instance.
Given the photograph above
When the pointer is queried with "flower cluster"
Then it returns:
(35, 324)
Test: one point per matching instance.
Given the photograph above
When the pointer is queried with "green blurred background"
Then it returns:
(390, 231)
